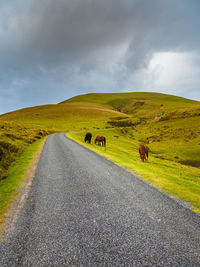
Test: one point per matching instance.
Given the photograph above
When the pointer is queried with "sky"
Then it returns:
(53, 50)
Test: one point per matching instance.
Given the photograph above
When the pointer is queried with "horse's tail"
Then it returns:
(104, 141)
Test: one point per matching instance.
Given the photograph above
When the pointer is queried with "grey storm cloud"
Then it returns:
(81, 43)
(53, 32)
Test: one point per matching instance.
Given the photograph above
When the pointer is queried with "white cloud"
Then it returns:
(174, 69)
(168, 72)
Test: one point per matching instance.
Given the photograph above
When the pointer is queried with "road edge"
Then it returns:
(183, 203)
(18, 201)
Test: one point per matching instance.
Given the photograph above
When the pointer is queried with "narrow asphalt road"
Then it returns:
(83, 210)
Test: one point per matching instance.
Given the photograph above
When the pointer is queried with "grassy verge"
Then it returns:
(171, 177)
(10, 186)
(14, 139)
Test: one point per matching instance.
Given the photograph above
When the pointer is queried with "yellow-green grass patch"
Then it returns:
(145, 104)
(177, 140)
(63, 117)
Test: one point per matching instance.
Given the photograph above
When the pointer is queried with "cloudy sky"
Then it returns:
(52, 50)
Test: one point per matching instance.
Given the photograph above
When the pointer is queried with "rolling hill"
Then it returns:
(169, 125)
(97, 109)
(160, 120)
(63, 117)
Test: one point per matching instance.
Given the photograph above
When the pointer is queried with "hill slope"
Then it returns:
(169, 125)
(63, 117)
(144, 104)
(95, 110)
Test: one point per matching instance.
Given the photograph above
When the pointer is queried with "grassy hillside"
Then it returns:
(63, 117)
(138, 104)
(14, 139)
(169, 125)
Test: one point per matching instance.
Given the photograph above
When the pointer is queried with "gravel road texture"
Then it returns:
(83, 210)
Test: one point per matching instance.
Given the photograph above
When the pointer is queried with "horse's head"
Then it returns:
(97, 139)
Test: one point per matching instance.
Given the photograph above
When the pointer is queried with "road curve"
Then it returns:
(83, 210)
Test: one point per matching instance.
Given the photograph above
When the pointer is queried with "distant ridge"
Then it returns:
(96, 109)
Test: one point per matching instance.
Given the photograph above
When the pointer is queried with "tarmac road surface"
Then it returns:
(83, 210)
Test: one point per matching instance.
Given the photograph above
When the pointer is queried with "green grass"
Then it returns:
(10, 186)
(171, 177)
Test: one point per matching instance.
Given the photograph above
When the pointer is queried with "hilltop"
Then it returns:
(144, 104)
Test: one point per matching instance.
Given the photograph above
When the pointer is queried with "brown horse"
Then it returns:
(101, 140)
(143, 150)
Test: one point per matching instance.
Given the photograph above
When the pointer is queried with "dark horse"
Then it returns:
(143, 150)
(101, 140)
(88, 137)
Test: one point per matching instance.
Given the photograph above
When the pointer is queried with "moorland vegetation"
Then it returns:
(168, 125)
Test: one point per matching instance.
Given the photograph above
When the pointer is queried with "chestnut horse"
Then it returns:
(143, 150)
(101, 140)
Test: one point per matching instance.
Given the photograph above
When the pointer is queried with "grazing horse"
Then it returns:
(143, 150)
(101, 140)
(88, 137)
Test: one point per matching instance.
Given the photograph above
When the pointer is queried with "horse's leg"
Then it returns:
(142, 156)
